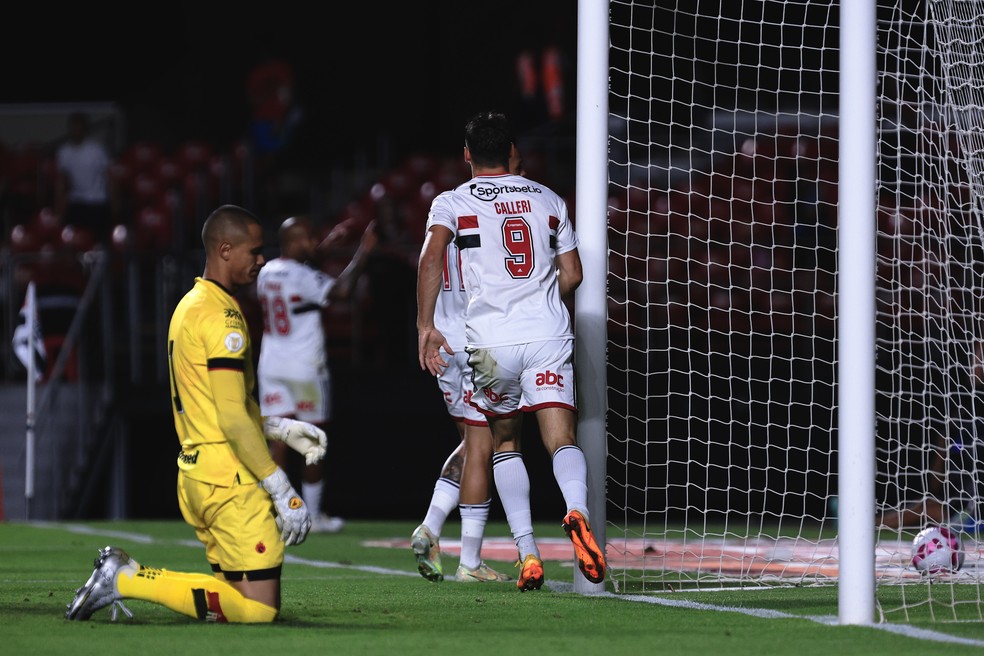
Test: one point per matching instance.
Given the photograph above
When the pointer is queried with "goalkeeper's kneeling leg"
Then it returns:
(200, 596)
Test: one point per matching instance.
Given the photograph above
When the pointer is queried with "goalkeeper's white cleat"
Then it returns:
(100, 590)
(428, 552)
(481, 574)
(322, 523)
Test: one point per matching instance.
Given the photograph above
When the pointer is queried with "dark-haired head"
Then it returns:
(489, 138)
(227, 223)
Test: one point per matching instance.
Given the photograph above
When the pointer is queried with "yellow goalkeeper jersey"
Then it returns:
(208, 334)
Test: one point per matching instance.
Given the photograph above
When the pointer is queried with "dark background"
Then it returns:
(407, 72)
(406, 75)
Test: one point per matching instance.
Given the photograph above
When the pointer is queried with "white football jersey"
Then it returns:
(508, 230)
(449, 313)
(292, 295)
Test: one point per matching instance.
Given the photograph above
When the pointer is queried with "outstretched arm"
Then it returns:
(345, 283)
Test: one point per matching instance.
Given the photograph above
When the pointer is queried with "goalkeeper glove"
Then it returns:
(307, 439)
(293, 518)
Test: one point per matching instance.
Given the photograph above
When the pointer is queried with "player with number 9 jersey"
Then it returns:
(508, 229)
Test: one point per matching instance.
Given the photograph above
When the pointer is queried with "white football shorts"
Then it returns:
(455, 383)
(307, 399)
(523, 377)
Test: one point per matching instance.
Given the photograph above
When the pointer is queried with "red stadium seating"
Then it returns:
(153, 229)
(142, 156)
(147, 189)
(421, 166)
(169, 171)
(25, 239)
(194, 155)
(47, 225)
(76, 239)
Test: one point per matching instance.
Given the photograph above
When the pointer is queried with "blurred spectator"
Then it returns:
(543, 109)
(85, 194)
(270, 86)
(293, 374)
(542, 72)
(541, 83)
(276, 120)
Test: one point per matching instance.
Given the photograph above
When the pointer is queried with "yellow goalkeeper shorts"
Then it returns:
(236, 524)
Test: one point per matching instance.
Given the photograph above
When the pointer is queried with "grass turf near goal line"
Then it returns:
(350, 592)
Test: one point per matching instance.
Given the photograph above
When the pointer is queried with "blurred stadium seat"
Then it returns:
(24, 238)
(147, 189)
(142, 156)
(47, 225)
(78, 240)
(169, 171)
(153, 228)
(194, 155)
(20, 180)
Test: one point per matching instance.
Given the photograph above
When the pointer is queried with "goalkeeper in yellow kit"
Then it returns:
(240, 503)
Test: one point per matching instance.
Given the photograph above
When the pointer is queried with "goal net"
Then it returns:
(722, 290)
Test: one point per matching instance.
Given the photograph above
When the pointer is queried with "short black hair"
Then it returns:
(227, 223)
(489, 137)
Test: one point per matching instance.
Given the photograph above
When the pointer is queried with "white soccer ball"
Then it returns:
(937, 550)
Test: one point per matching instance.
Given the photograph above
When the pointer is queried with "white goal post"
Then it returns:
(856, 314)
(591, 315)
(794, 300)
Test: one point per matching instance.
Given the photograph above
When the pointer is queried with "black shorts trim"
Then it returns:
(251, 575)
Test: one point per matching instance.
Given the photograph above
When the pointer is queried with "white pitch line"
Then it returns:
(359, 568)
(831, 620)
(556, 586)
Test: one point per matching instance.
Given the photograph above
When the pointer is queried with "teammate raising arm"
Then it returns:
(293, 372)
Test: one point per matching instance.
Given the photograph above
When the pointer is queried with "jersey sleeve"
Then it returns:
(238, 424)
(226, 348)
(442, 213)
(566, 236)
(316, 286)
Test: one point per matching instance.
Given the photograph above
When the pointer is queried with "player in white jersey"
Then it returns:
(473, 429)
(292, 372)
(519, 261)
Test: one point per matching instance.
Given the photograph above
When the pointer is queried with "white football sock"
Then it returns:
(473, 520)
(571, 471)
(443, 501)
(311, 493)
(512, 483)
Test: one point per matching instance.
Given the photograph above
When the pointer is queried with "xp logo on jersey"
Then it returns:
(273, 398)
(234, 319)
(549, 379)
(486, 190)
